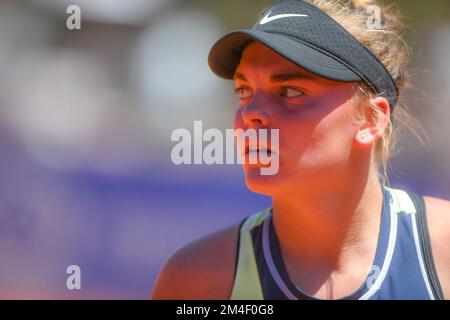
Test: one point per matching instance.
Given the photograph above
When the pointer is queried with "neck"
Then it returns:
(330, 225)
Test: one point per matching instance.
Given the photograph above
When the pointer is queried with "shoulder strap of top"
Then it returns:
(409, 202)
(247, 285)
(401, 201)
(425, 244)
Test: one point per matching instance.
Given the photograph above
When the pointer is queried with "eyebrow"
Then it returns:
(239, 76)
(291, 76)
(282, 77)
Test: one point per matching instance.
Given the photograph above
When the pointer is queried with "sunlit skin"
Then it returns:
(326, 197)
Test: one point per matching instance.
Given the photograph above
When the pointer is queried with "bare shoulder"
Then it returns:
(202, 270)
(438, 215)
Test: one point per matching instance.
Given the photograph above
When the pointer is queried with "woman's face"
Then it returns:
(313, 114)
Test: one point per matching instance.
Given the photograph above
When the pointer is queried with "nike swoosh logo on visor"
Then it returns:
(268, 18)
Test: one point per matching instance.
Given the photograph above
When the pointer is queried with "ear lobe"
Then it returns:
(367, 136)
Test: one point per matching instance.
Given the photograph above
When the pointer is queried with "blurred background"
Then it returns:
(86, 118)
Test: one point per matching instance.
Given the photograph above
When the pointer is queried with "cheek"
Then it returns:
(297, 131)
(326, 142)
(333, 139)
(238, 122)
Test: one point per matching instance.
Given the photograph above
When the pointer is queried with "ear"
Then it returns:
(374, 128)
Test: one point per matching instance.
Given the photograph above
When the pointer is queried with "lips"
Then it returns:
(261, 148)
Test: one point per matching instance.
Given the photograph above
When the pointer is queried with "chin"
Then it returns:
(261, 184)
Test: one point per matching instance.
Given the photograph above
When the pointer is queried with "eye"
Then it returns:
(292, 93)
(243, 92)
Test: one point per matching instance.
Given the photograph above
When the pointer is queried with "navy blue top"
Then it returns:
(399, 269)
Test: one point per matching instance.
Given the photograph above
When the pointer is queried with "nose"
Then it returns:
(254, 116)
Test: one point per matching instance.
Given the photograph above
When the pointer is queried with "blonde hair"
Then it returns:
(387, 43)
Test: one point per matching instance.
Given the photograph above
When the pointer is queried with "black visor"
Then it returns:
(311, 39)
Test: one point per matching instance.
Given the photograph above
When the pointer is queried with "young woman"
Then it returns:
(328, 76)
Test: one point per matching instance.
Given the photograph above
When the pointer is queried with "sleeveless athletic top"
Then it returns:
(403, 267)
